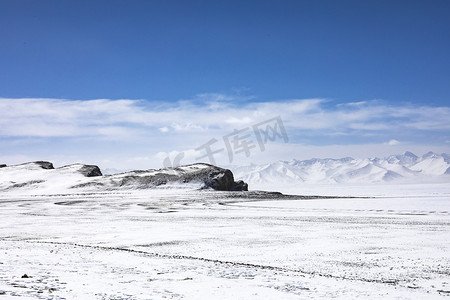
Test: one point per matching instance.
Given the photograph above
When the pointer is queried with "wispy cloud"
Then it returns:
(140, 134)
(393, 143)
(121, 118)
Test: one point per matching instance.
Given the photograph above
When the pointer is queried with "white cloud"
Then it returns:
(120, 118)
(237, 121)
(393, 143)
(188, 127)
(217, 97)
(138, 128)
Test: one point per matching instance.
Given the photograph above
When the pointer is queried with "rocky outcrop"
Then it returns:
(240, 186)
(41, 175)
(223, 180)
(44, 165)
(208, 176)
(90, 171)
(2, 165)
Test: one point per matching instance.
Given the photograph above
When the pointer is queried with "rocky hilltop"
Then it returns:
(42, 176)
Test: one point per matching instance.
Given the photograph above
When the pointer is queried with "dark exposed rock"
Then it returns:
(223, 180)
(211, 176)
(143, 182)
(26, 184)
(90, 171)
(91, 184)
(240, 186)
(45, 165)
(219, 179)
(2, 165)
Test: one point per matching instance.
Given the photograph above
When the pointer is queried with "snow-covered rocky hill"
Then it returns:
(41, 177)
(406, 167)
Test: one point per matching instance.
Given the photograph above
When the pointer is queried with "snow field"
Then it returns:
(180, 244)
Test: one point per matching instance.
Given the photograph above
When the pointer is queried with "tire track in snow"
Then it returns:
(214, 261)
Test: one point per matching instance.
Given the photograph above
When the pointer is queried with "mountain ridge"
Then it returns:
(406, 167)
(42, 177)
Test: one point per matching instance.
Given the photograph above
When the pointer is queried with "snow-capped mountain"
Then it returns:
(406, 167)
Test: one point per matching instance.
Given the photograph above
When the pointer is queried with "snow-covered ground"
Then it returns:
(187, 244)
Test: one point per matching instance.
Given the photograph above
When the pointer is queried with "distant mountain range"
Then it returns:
(406, 167)
(42, 177)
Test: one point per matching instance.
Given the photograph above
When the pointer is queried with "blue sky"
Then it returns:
(366, 77)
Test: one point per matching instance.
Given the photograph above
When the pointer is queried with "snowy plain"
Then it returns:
(181, 243)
